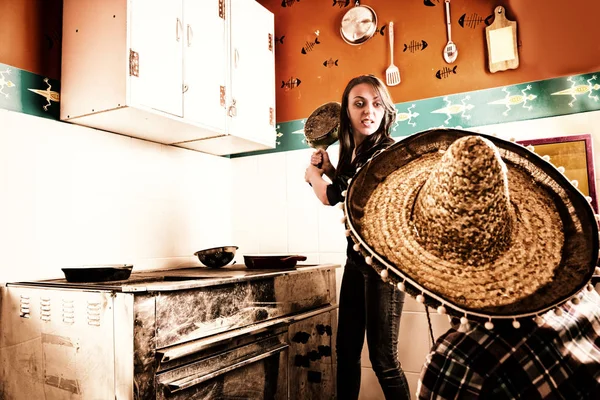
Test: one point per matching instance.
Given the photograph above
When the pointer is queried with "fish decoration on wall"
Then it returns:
(289, 3)
(430, 3)
(473, 20)
(291, 83)
(341, 3)
(309, 46)
(331, 63)
(279, 40)
(415, 45)
(445, 72)
(381, 30)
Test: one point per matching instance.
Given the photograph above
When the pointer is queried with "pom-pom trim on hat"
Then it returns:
(377, 262)
(384, 275)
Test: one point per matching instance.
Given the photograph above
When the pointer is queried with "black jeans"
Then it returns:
(366, 302)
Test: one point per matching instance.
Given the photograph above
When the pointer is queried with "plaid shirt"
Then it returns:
(559, 360)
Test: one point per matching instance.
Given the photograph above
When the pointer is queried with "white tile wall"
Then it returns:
(71, 195)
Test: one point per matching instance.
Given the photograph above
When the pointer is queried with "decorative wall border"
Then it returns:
(29, 93)
(539, 99)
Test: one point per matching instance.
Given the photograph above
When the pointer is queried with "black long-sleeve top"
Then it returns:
(340, 183)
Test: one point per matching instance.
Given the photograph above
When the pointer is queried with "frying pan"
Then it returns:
(98, 273)
(358, 24)
(262, 261)
(321, 127)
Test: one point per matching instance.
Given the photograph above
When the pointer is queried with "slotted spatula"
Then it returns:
(392, 74)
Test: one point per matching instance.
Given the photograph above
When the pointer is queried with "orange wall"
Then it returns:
(556, 37)
(30, 35)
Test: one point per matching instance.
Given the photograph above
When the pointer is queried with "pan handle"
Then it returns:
(297, 258)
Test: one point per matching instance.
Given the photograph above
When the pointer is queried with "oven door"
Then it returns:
(256, 370)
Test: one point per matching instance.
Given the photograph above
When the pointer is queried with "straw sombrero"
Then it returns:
(476, 226)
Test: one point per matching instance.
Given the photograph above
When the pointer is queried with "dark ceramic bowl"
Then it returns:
(216, 257)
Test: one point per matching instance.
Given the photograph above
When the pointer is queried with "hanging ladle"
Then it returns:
(450, 51)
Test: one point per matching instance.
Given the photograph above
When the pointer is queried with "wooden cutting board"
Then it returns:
(501, 37)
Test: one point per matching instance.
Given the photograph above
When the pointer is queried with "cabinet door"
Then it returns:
(157, 36)
(253, 71)
(204, 63)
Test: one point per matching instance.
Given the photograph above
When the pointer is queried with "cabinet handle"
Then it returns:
(236, 57)
(232, 111)
(178, 29)
(190, 35)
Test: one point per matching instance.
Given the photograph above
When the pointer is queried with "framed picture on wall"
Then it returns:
(575, 154)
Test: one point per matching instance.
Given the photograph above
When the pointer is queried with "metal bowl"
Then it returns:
(216, 257)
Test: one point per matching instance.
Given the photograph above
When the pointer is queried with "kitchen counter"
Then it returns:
(189, 277)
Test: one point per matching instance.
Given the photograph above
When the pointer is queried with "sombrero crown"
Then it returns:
(474, 223)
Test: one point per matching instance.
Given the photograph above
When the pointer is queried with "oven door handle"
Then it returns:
(186, 349)
(192, 380)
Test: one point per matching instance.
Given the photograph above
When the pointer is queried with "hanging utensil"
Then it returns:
(501, 38)
(358, 24)
(392, 74)
(450, 51)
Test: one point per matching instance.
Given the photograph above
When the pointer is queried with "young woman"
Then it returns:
(366, 302)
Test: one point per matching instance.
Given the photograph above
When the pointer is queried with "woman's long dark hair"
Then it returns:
(345, 136)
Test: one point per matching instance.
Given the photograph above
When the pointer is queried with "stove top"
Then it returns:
(169, 279)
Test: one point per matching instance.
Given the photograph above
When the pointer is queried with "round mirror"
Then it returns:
(358, 24)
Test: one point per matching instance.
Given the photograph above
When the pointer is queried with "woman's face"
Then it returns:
(365, 110)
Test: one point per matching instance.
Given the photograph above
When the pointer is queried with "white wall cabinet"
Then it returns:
(251, 77)
(173, 72)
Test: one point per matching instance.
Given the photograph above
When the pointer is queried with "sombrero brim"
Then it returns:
(549, 272)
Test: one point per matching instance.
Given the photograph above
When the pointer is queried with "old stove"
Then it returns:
(188, 333)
